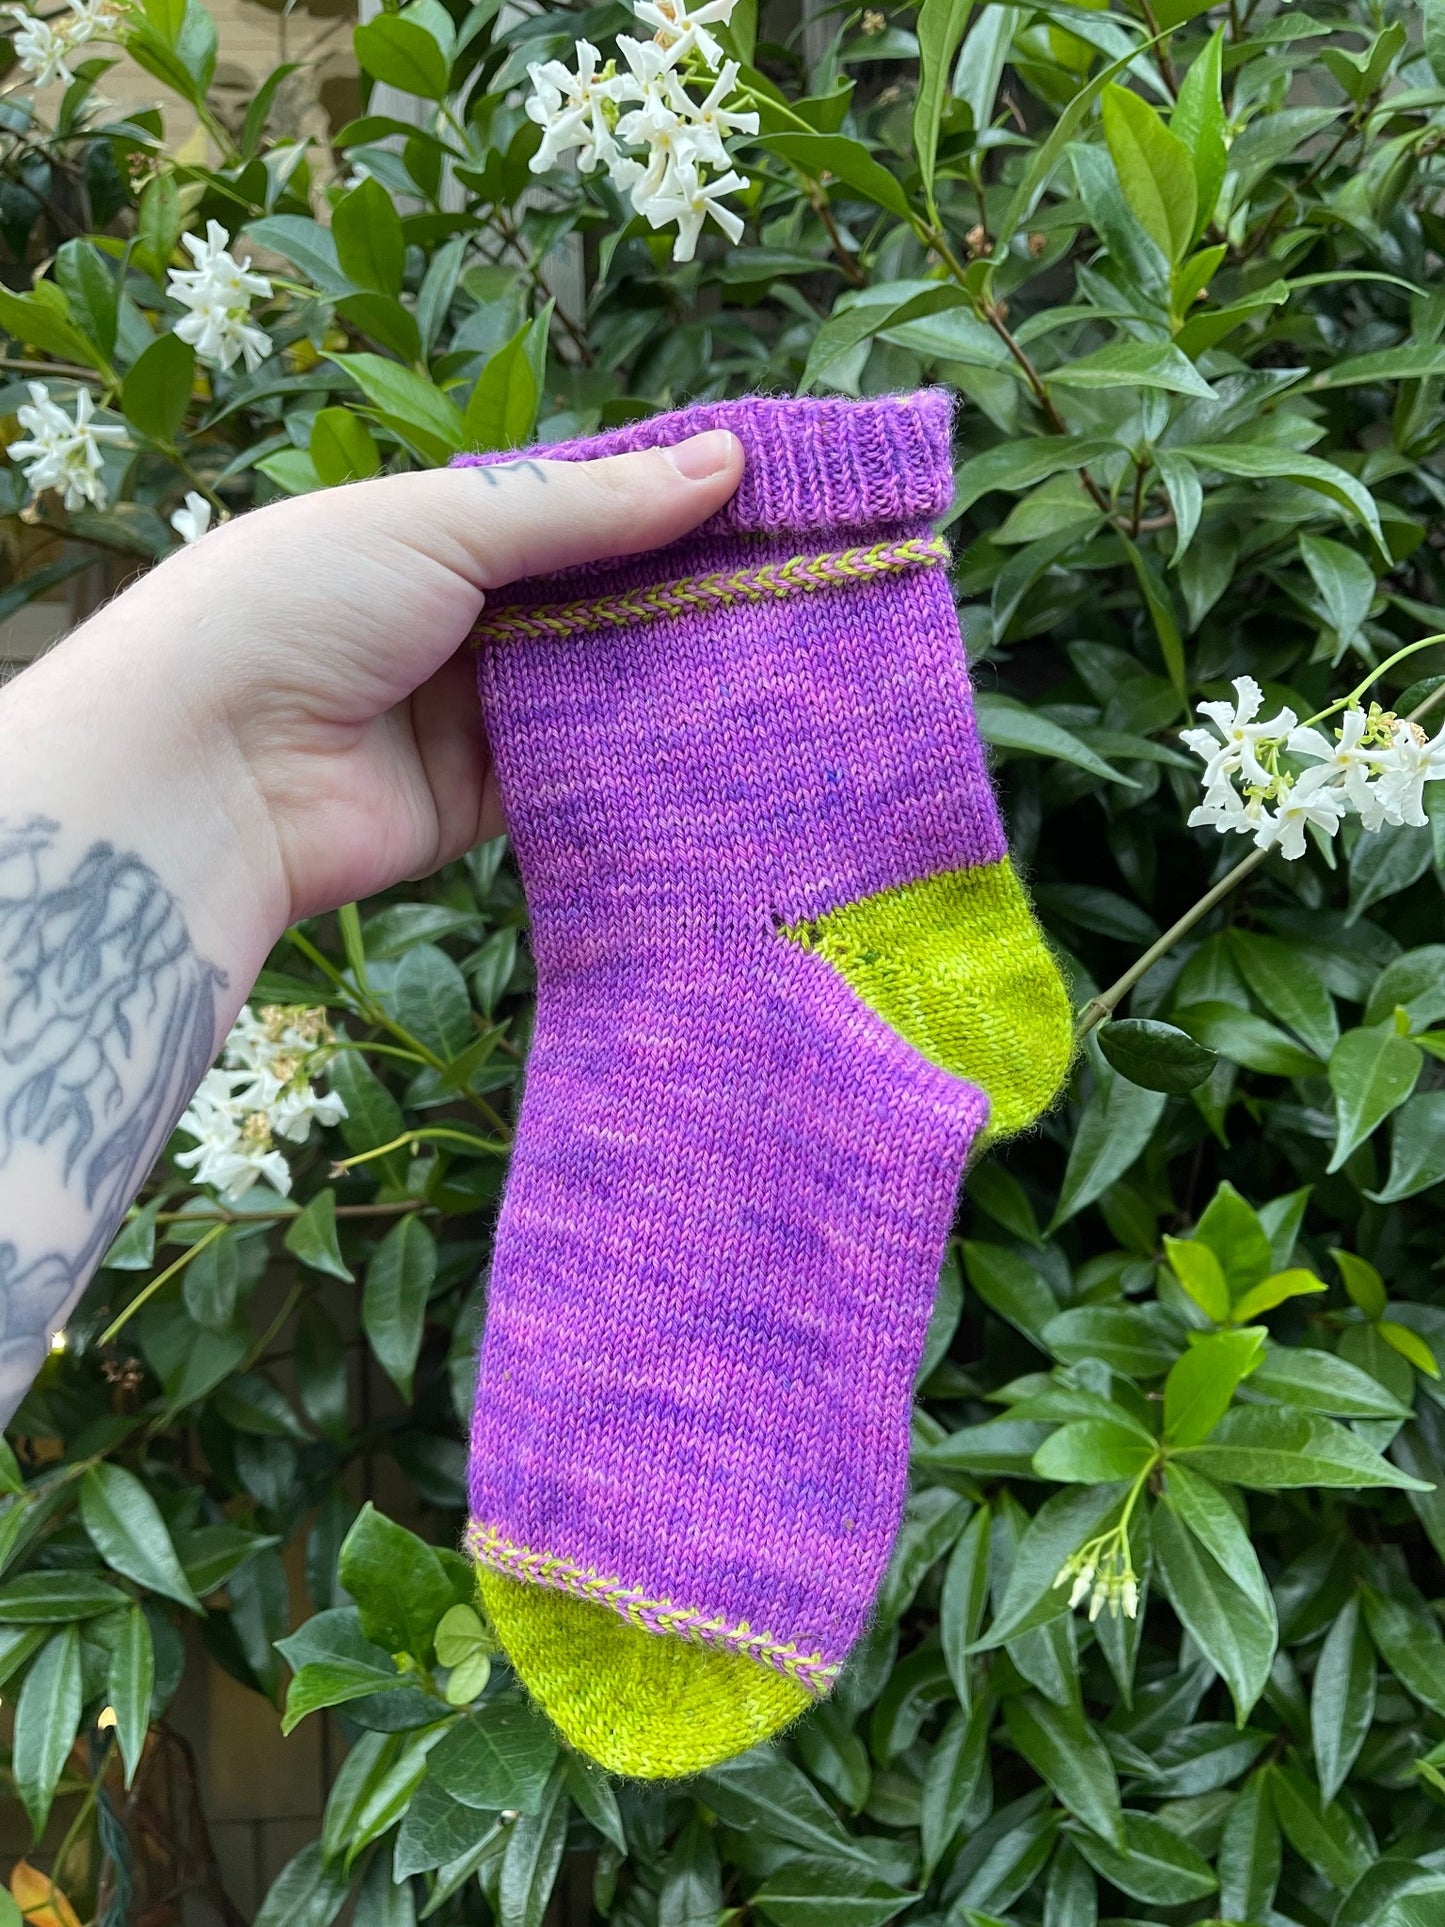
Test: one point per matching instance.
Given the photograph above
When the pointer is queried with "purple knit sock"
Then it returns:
(733, 1180)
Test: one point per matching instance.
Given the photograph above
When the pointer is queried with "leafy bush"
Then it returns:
(1179, 266)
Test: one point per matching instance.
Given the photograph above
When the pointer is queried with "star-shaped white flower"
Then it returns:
(682, 27)
(1411, 761)
(1239, 735)
(570, 108)
(60, 452)
(218, 292)
(710, 120)
(1311, 800)
(691, 202)
(1349, 762)
(1224, 809)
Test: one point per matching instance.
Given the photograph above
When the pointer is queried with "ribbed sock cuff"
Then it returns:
(810, 463)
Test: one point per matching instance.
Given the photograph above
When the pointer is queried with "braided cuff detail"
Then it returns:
(801, 574)
(488, 1547)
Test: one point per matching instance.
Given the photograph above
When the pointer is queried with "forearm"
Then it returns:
(127, 943)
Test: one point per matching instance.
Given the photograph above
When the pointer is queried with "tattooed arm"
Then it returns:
(277, 720)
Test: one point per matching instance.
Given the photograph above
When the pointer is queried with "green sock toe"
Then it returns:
(957, 964)
(637, 1703)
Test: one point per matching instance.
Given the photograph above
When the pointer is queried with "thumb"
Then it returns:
(495, 523)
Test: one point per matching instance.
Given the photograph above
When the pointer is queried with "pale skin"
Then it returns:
(279, 719)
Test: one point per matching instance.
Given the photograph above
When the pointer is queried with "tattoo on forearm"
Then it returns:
(494, 473)
(107, 1024)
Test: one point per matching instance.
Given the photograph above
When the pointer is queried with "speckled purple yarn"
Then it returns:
(732, 1183)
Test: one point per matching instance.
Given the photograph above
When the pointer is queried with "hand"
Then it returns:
(277, 720)
(293, 702)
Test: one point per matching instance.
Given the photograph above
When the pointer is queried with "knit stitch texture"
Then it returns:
(735, 1169)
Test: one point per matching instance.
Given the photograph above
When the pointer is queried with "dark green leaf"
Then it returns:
(1117, 1123)
(399, 1583)
(127, 1530)
(399, 1279)
(157, 389)
(342, 447)
(1273, 1449)
(132, 1681)
(399, 51)
(46, 1717)
(1066, 1752)
(849, 161)
(1234, 1631)
(1153, 1865)
(367, 231)
(1158, 1056)
(532, 1857)
(1342, 1701)
(500, 1756)
(311, 1237)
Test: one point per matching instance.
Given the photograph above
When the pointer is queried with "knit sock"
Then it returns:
(785, 972)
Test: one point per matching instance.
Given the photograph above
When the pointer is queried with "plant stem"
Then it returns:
(1166, 64)
(987, 310)
(847, 261)
(1102, 1006)
(82, 1814)
(160, 1279)
(1410, 649)
(423, 1135)
(221, 1215)
(64, 370)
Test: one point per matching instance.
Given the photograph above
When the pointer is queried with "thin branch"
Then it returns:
(847, 261)
(63, 370)
(1166, 63)
(1102, 1006)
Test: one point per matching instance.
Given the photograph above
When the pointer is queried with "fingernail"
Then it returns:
(703, 455)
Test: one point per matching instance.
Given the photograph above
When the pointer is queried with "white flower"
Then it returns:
(218, 291)
(297, 1108)
(571, 110)
(61, 453)
(674, 139)
(1240, 734)
(234, 1145)
(191, 522)
(681, 27)
(1224, 809)
(1412, 761)
(41, 47)
(1310, 800)
(711, 120)
(261, 1090)
(691, 201)
(671, 149)
(1350, 759)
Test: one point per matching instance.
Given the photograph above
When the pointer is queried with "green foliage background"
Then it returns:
(1180, 264)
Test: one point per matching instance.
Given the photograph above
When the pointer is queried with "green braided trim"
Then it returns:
(489, 1548)
(801, 574)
